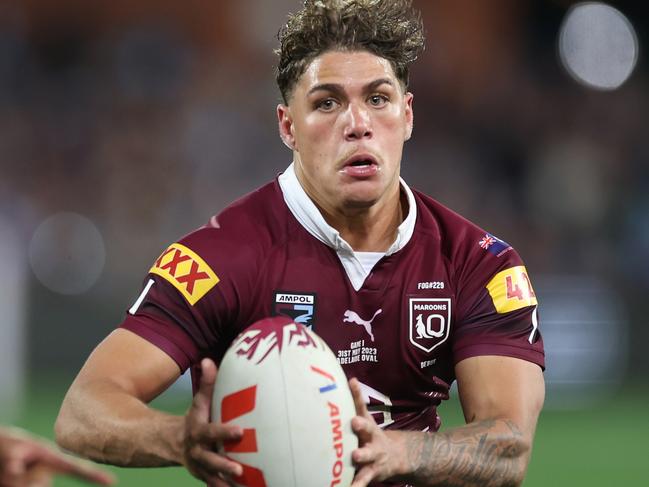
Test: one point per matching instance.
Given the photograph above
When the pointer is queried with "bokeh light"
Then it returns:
(598, 45)
(67, 253)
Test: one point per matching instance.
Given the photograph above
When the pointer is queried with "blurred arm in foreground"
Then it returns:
(29, 461)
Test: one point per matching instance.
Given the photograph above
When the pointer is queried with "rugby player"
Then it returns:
(409, 295)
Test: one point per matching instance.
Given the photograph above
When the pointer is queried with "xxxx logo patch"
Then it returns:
(186, 271)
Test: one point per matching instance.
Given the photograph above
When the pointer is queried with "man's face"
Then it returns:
(346, 121)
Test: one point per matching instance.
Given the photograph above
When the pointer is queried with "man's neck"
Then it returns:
(371, 229)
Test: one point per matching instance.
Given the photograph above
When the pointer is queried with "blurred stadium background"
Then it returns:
(127, 123)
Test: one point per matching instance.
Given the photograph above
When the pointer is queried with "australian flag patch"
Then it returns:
(494, 245)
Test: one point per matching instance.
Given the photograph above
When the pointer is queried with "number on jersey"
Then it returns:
(511, 289)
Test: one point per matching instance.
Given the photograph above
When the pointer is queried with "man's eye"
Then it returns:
(378, 100)
(327, 105)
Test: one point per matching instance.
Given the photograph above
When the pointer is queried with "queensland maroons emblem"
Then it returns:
(429, 322)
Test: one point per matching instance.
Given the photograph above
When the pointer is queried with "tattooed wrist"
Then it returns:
(486, 453)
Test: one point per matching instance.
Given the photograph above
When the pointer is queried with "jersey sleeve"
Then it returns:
(189, 304)
(497, 312)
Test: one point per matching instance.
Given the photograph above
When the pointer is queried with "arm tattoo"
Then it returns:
(485, 454)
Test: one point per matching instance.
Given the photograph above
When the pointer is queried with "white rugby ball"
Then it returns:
(282, 384)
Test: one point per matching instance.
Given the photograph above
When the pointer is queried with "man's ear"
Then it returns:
(409, 115)
(285, 123)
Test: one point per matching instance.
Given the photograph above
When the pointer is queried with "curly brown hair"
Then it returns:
(391, 29)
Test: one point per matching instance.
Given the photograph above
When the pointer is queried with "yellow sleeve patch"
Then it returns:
(186, 271)
(511, 289)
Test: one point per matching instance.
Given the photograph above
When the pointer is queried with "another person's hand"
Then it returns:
(380, 454)
(26, 461)
(202, 437)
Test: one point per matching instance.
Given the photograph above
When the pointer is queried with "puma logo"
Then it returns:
(352, 317)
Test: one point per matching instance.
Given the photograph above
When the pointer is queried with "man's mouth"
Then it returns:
(362, 162)
(361, 166)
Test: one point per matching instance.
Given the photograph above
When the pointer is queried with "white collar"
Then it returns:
(307, 213)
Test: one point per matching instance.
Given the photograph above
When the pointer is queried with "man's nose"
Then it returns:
(358, 123)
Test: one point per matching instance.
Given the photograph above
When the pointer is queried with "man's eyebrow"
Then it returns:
(378, 82)
(338, 89)
(330, 87)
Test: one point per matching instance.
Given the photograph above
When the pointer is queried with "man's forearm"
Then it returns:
(486, 454)
(107, 425)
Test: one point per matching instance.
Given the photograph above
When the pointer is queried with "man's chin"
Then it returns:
(359, 203)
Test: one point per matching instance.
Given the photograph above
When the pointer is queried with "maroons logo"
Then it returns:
(430, 322)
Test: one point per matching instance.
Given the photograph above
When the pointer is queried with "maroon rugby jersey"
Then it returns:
(452, 292)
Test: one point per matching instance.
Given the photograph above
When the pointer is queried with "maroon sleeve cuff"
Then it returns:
(168, 338)
(500, 349)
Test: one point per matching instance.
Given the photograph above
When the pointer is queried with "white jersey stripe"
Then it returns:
(137, 303)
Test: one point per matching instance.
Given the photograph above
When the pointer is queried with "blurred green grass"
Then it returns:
(604, 445)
